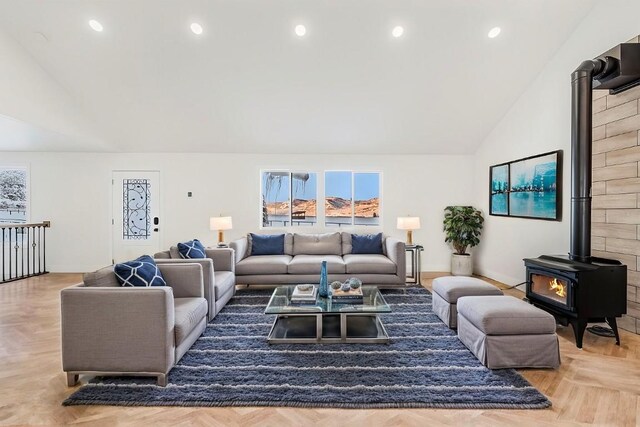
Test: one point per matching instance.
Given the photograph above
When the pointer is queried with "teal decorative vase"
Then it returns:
(323, 290)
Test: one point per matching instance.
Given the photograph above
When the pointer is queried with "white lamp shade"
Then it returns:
(220, 223)
(408, 223)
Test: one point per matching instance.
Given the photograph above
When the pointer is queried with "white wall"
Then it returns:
(30, 94)
(539, 122)
(73, 190)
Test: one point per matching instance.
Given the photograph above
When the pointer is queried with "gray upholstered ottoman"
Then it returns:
(447, 290)
(506, 332)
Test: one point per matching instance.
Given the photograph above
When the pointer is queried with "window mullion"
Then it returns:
(353, 199)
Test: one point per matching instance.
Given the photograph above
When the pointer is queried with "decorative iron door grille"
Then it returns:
(136, 209)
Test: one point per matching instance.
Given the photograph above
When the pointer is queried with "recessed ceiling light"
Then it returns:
(300, 30)
(397, 31)
(95, 25)
(196, 28)
(494, 32)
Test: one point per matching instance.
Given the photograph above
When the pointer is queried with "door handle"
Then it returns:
(156, 220)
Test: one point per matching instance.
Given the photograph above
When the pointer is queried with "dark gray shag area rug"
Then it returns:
(424, 366)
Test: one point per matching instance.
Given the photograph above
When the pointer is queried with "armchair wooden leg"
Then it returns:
(72, 379)
(162, 380)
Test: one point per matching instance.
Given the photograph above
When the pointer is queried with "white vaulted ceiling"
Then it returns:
(248, 84)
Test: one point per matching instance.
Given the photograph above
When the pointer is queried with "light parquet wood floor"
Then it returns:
(599, 385)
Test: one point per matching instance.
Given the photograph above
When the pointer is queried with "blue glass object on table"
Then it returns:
(323, 290)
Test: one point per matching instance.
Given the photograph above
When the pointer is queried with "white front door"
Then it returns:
(136, 214)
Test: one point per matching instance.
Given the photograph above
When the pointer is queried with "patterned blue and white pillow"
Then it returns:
(140, 272)
(192, 249)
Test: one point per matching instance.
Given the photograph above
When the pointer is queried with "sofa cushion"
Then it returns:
(310, 264)
(346, 242)
(366, 243)
(288, 244)
(267, 244)
(265, 264)
(162, 255)
(192, 249)
(103, 277)
(317, 244)
(248, 250)
(505, 315)
(142, 271)
(369, 264)
(188, 313)
(174, 253)
(225, 280)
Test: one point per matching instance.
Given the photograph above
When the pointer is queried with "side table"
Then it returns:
(413, 268)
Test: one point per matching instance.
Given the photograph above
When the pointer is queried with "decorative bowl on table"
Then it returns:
(355, 283)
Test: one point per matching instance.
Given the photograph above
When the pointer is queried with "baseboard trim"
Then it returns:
(503, 278)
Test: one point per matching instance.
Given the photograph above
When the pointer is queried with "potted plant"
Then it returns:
(462, 227)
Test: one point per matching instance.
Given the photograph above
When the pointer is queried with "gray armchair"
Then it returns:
(142, 331)
(218, 270)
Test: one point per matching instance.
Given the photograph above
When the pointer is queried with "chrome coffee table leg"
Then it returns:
(367, 330)
(319, 327)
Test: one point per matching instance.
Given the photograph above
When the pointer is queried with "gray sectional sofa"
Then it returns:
(304, 253)
(218, 272)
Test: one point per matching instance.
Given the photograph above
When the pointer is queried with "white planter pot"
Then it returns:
(461, 265)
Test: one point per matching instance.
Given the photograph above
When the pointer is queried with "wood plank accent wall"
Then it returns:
(616, 188)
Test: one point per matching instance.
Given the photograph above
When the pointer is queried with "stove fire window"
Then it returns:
(551, 288)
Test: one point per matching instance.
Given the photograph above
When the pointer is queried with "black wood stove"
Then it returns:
(578, 292)
(578, 288)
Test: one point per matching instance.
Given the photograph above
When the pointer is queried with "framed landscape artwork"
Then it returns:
(14, 194)
(527, 188)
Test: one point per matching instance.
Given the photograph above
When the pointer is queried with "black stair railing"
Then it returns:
(23, 248)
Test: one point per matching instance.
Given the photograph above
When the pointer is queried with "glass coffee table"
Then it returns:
(325, 321)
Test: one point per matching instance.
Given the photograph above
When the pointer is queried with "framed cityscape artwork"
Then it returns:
(527, 188)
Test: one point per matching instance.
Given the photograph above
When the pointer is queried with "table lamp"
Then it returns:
(409, 223)
(220, 223)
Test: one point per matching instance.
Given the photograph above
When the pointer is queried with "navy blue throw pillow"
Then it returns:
(140, 272)
(366, 243)
(192, 249)
(267, 244)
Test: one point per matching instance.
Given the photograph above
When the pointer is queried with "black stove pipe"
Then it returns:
(581, 134)
(610, 75)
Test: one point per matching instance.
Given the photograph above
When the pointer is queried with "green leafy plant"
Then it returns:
(462, 227)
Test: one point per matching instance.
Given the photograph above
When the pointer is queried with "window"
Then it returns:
(352, 198)
(366, 188)
(304, 198)
(289, 198)
(14, 198)
(338, 206)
